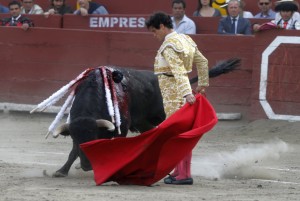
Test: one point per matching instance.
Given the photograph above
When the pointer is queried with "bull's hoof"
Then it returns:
(59, 174)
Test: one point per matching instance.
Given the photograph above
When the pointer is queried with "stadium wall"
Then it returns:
(39, 61)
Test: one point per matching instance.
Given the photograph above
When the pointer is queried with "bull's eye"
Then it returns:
(117, 76)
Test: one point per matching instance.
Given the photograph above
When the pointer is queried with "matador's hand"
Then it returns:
(190, 99)
(200, 89)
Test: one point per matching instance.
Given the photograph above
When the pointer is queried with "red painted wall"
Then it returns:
(283, 85)
(39, 61)
(135, 23)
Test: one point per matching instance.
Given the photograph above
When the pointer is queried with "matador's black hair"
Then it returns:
(159, 18)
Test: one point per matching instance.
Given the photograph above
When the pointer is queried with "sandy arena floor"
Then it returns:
(237, 160)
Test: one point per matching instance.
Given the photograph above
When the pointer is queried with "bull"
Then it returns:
(138, 98)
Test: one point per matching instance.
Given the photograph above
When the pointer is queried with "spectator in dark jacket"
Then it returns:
(16, 18)
(233, 23)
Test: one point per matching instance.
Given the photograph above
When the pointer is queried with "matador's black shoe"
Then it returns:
(170, 177)
(172, 180)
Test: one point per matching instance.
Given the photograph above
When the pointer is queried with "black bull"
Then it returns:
(139, 100)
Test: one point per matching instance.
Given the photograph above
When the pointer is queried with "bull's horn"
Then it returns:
(105, 123)
(62, 130)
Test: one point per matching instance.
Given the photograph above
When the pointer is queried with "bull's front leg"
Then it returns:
(64, 170)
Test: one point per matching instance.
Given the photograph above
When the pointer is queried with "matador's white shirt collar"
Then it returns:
(170, 35)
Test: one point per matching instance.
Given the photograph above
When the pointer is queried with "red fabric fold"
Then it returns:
(147, 158)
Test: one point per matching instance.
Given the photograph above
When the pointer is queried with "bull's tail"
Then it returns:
(221, 68)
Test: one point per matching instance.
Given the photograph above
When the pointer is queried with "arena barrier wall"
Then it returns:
(37, 62)
(275, 75)
(135, 23)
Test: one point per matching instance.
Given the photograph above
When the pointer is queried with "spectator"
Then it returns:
(243, 13)
(16, 18)
(181, 23)
(233, 23)
(87, 7)
(287, 19)
(205, 9)
(296, 15)
(3, 9)
(29, 7)
(265, 10)
(58, 7)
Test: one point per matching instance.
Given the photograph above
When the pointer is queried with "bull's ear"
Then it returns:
(62, 130)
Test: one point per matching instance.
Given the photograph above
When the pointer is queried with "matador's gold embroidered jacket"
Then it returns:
(176, 57)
